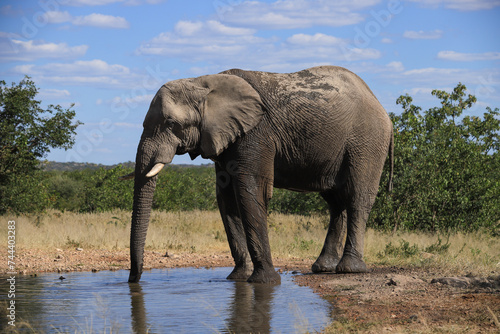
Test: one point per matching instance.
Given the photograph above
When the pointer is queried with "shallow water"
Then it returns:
(180, 300)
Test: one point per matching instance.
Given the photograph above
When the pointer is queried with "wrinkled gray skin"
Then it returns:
(320, 129)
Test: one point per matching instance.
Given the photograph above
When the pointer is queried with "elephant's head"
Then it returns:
(200, 116)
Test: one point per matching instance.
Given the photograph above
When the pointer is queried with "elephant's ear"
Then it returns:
(231, 108)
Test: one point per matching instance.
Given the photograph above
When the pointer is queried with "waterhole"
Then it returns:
(180, 300)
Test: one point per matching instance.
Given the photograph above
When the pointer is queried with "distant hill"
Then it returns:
(72, 166)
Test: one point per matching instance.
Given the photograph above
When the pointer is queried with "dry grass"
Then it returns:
(457, 253)
(290, 236)
(111, 230)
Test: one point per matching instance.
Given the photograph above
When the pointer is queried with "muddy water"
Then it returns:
(181, 300)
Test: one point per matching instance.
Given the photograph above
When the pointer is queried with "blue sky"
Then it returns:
(109, 57)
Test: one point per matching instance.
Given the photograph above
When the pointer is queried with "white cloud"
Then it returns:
(389, 70)
(232, 41)
(458, 56)
(195, 41)
(430, 73)
(316, 39)
(84, 66)
(352, 54)
(419, 82)
(24, 69)
(386, 40)
(218, 27)
(128, 125)
(293, 14)
(57, 17)
(107, 2)
(188, 28)
(435, 34)
(450, 77)
(424, 91)
(94, 72)
(90, 2)
(4, 34)
(19, 50)
(216, 43)
(462, 5)
(129, 100)
(102, 21)
(92, 20)
(49, 93)
(396, 66)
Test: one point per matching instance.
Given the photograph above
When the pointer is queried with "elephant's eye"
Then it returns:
(169, 123)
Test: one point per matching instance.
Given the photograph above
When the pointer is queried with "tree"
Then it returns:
(447, 167)
(27, 133)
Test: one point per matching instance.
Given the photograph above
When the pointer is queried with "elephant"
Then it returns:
(317, 130)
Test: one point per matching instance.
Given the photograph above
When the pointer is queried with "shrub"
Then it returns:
(447, 168)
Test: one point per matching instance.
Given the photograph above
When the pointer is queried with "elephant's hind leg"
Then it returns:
(352, 258)
(234, 228)
(358, 210)
(334, 242)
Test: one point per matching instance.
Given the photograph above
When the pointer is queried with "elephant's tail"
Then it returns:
(391, 161)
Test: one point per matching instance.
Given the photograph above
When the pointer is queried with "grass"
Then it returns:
(455, 253)
(290, 236)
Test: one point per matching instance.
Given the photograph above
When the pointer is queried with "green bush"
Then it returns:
(104, 191)
(24, 193)
(65, 192)
(447, 168)
(27, 133)
(290, 202)
(182, 189)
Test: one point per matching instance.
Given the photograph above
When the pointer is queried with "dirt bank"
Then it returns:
(388, 299)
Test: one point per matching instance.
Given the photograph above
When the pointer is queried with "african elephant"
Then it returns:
(321, 129)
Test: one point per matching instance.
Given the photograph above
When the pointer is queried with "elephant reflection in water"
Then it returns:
(139, 318)
(250, 309)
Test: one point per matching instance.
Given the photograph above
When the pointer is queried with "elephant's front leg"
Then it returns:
(253, 194)
(235, 232)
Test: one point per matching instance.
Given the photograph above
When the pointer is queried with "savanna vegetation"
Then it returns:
(291, 236)
(27, 133)
(446, 169)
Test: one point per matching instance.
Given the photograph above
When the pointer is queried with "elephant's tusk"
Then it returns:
(127, 177)
(155, 170)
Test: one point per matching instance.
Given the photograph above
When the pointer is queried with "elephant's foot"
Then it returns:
(325, 264)
(241, 272)
(265, 276)
(134, 278)
(351, 264)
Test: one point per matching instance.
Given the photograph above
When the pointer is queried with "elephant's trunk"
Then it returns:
(144, 187)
